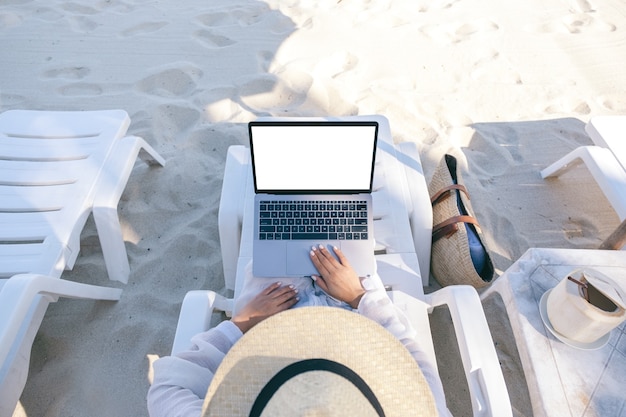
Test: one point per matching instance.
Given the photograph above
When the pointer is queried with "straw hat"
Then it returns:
(318, 361)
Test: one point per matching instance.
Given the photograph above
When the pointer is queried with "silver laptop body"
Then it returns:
(313, 183)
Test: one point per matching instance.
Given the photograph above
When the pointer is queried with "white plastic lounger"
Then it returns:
(609, 132)
(403, 222)
(55, 169)
(606, 160)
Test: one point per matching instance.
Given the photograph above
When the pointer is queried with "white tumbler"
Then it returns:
(586, 305)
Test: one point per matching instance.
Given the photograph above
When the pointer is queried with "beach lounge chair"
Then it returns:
(606, 160)
(403, 222)
(55, 169)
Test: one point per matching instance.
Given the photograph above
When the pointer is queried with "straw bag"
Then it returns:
(458, 255)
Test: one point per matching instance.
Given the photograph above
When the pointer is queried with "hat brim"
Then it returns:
(329, 333)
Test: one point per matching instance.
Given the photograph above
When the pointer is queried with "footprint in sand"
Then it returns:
(212, 39)
(48, 14)
(521, 242)
(173, 82)
(70, 73)
(468, 29)
(284, 91)
(490, 66)
(143, 28)
(80, 90)
(216, 19)
(82, 24)
(113, 5)
(76, 8)
(238, 16)
(580, 23)
(9, 20)
(11, 100)
(244, 17)
(76, 15)
(175, 118)
(575, 23)
(616, 102)
(565, 106)
(426, 6)
(496, 147)
(265, 59)
(579, 230)
(459, 31)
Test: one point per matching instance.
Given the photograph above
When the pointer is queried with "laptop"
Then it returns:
(313, 184)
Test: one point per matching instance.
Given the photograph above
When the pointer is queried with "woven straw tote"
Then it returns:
(451, 260)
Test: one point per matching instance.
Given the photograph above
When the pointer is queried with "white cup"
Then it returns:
(586, 305)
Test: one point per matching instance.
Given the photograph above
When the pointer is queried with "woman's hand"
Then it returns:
(274, 299)
(337, 278)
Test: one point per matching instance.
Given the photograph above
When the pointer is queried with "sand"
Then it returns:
(505, 86)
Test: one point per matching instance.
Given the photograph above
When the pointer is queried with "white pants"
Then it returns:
(309, 292)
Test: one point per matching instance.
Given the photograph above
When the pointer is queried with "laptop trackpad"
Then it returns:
(270, 259)
(299, 261)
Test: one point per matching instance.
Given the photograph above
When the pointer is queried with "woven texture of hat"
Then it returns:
(319, 332)
(451, 254)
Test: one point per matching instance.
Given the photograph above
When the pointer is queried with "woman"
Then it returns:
(180, 382)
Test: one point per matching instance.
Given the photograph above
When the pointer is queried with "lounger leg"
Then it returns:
(110, 188)
(564, 164)
(112, 243)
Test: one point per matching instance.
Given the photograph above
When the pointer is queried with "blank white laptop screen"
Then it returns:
(313, 157)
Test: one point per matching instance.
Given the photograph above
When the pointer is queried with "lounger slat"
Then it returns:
(42, 150)
(20, 199)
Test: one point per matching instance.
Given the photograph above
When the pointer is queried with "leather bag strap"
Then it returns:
(442, 194)
(450, 226)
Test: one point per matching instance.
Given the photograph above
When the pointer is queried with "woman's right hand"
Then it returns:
(337, 278)
(274, 299)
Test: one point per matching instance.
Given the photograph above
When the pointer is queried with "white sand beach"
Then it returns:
(506, 86)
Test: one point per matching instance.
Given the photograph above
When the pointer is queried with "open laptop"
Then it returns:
(313, 183)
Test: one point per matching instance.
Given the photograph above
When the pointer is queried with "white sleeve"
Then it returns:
(377, 306)
(181, 382)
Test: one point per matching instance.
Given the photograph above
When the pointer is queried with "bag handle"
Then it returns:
(450, 226)
(441, 194)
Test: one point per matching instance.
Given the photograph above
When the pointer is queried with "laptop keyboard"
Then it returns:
(313, 220)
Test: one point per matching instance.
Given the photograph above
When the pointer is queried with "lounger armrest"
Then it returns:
(480, 360)
(18, 293)
(605, 168)
(419, 207)
(118, 167)
(230, 215)
(195, 316)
